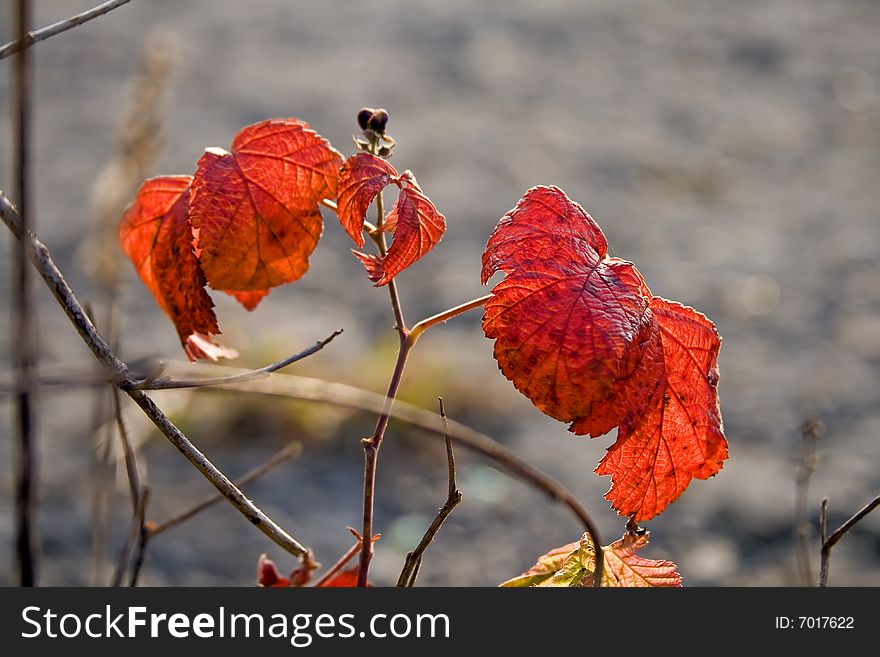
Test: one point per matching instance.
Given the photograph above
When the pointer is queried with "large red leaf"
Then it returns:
(679, 437)
(581, 335)
(564, 319)
(256, 207)
(361, 179)
(155, 234)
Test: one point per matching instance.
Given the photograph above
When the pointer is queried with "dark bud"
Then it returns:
(384, 151)
(364, 117)
(379, 120)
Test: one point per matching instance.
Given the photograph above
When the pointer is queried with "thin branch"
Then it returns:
(128, 454)
(25, 41)
(811, 431)
(823, 521)
(138, 519)
(165, 383)
(118, 374)
(23, 343)
(446, 315)
(140, 551)
(289, 451)
(839, 533)
(413, 561)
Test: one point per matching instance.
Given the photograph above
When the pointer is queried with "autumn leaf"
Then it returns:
(249, 300)
(268, 575)
(256, 207)
(624, 568)
(346, 578)
(416, 223)
(547, 566)
(361, 179)
(156, 236)
(574, 565)
(681, 430)
(580, 334)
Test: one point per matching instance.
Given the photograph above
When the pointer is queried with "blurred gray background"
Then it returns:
(729, 149)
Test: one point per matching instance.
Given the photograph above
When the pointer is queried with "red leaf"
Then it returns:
(624, 568)
(361, 179)
(249, 300)
(583, 338)
(268, 575)
(418, 226)
(679, 437)
(564, 319)
(347, 578)
(256, 207)
(156, 235)
(543, 217)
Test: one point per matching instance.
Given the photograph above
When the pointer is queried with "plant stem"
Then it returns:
(23, 342)
(371, 457)
(371, 445)
(446, 315)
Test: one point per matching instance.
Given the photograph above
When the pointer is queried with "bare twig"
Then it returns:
(23, 342)
(128, 454)
(413, 561)
(118, 374)
(137, 529)
(289, 451)
(165, 383)
(140, 551)
(811, 431)
(27, 39)
(87, 377)
(839, 533)
(823, 521)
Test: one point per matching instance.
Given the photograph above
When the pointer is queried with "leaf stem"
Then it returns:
(445, 316)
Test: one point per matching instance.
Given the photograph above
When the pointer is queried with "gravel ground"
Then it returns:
(729, 149)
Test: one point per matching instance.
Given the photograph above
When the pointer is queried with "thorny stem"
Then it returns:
(28, 39)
